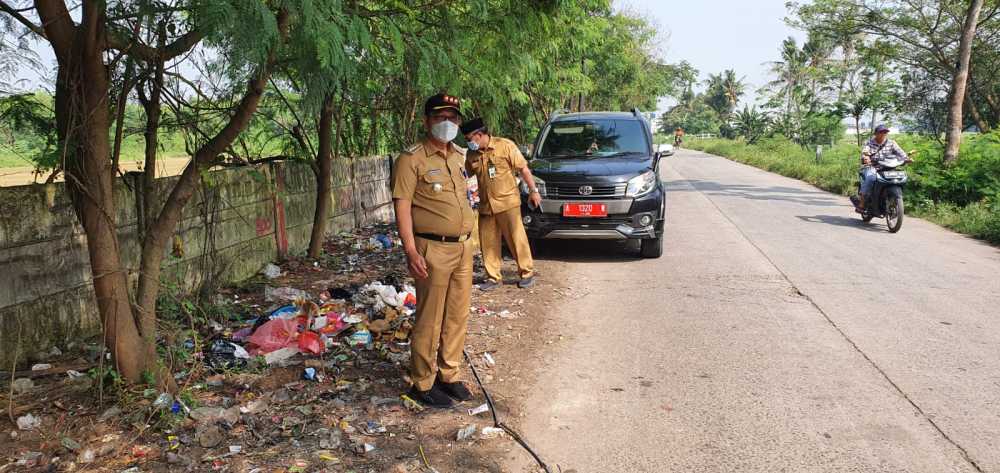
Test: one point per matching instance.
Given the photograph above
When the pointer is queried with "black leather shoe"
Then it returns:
(526, 282)
(488, 285)
(456, 390)
(434, 397)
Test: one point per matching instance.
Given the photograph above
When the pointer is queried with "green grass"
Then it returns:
(964, 197)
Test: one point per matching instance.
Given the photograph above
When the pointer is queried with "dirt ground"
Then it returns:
(268, 418)
(23, 175)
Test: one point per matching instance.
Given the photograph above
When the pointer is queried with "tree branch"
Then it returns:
(21, 18)
(183, 44)
(58, 25)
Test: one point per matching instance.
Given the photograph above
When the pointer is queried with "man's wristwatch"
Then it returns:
(534, 191)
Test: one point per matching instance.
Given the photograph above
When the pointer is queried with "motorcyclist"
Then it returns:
(877, 149)
(678, 137)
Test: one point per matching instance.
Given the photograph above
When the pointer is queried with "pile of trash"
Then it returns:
(374, 316)
(303, 372)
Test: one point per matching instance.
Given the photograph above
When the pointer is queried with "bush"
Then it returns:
(964, 197)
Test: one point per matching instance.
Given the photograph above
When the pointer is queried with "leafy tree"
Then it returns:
(751, 124)
(935, 37)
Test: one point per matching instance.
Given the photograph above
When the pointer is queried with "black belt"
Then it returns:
(444, 239)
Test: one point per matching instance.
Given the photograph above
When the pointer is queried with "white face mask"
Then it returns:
(444, 131)
(473, 146)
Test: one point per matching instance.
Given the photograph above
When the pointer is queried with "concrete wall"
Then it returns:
(239, 220)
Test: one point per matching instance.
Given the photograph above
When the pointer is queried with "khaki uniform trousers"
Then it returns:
(506, 224)
(443, 298)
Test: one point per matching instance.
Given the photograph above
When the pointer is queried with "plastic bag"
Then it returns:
(226, 355)
(274, 335)
(309, 342)
(284, 293)
(271, 271)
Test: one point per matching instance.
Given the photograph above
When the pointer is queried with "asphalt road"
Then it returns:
(777, 333)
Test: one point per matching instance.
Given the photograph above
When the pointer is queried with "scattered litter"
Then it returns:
(489, 359)
(70, 444)
(374, 428)
(298, 466)
(226, 356)
(360, 338)
(363, 448)
(309, 374)
(87, 456)
(274, 335)
(29, 422)
(479, 410)
(466, 433)
(163, 401)
(326, 456)
(280, 356)
(235, 449)
(384, 240)
(309, 342)
(23, 385)
(29, 459)
(339, 293)
(41, 367)
(141, 451)
(284, 294)
(74, 374)
(271, 271)
(411, 404)
(491, 432)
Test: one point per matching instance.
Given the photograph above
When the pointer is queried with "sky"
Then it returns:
(715, 35)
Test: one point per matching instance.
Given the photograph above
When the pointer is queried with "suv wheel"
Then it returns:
(651, 247)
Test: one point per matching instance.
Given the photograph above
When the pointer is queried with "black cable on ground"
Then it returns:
(496, 420)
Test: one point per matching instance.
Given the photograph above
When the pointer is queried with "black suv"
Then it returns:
(598, 176)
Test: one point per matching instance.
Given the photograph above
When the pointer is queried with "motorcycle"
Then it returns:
(886, 198)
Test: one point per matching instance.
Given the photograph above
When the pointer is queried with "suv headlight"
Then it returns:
(538, 182)
(641, 185)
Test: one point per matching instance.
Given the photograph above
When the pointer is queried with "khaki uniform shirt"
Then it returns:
(498, 190)
(433, 180)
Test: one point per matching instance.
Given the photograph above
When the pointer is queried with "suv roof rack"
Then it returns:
(637, 112)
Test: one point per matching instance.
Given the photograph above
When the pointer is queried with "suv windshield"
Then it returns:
(593, 138)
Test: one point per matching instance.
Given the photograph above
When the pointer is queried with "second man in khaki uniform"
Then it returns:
(435, 219)
(496, 162)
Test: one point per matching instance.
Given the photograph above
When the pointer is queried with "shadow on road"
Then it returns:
(842, 221)
(788, 194)
(585, 251)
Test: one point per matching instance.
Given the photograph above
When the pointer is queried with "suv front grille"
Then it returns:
(573, 191)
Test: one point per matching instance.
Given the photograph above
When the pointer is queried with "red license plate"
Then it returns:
(585, 210)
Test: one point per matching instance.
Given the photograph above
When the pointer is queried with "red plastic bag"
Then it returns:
(309, 342)
(274, 335)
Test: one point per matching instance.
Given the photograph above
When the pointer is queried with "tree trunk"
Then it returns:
(162, 229)
(324, 179)
(83, 122)
(857, 128)
(974, 111)
(152, 106)
(959, 82)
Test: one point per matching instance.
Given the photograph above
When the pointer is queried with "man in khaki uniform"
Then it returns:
(496, 161)
(435, 221)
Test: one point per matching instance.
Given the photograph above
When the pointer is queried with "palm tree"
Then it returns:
(733, 87)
